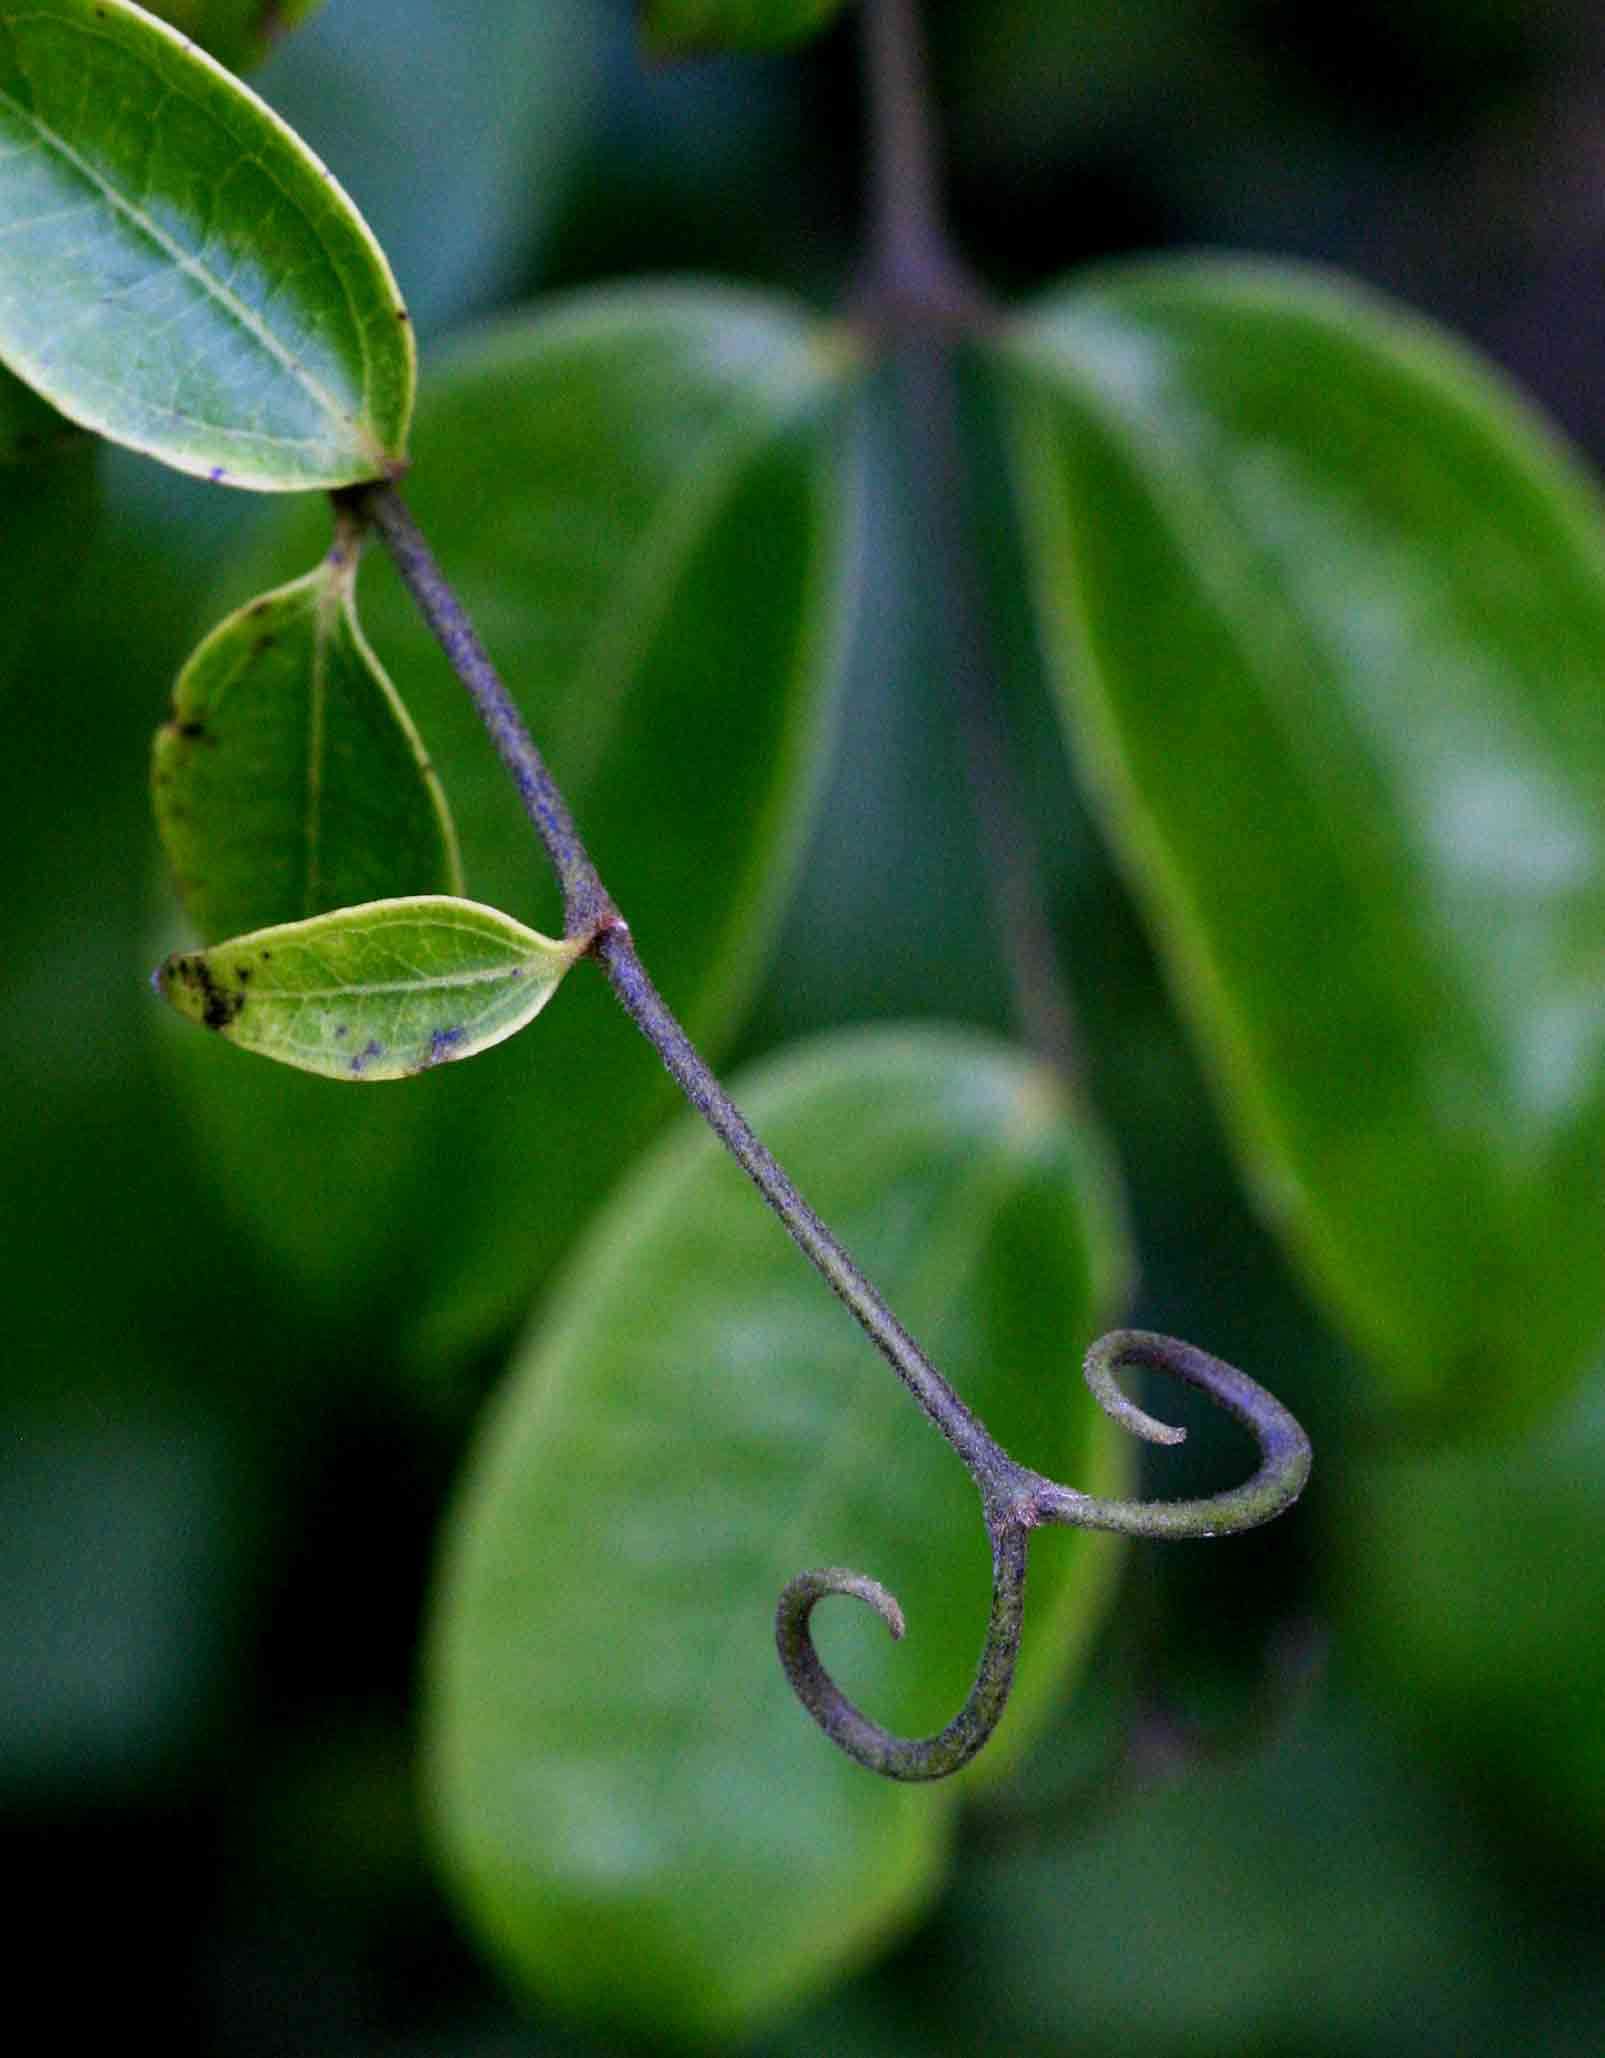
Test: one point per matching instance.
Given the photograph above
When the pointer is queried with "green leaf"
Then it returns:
(178, 271)
(675, 28)
(289, 780)
(238, 33)
(620, 1774)
(1327, 612)
(378, 992)
(637, 497)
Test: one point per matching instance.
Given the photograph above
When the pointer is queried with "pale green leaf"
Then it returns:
(289, 780)
(620, 1774)
(1327, 611)
(377, 992)
(177, 270)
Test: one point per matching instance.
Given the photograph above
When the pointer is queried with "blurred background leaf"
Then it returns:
(1327, 617)
(620, 1771)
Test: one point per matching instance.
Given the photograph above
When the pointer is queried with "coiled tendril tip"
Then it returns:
(1016, 1501)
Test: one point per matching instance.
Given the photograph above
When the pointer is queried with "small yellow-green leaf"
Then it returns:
(238, 33)
(376, 992)
(290, 780)
(675, 28)
(177, 270)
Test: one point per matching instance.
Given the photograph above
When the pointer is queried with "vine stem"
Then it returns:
(916, 289)
(589, 911)
(587, 905)
(1014, 1499)
(913, 278)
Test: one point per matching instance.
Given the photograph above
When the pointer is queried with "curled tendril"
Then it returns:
(930, 1757)
(1015, 1501)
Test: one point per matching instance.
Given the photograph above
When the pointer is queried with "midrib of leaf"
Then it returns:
(193, 267)
(1241, 583)
(602, 678)
(345, 989)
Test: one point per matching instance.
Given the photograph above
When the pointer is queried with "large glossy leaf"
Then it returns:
(289, 779)
(636, 496)
(177, 269)
(372, 993)
(238, 33)
(1327, 609)
(620, 1774)
(675, 26)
